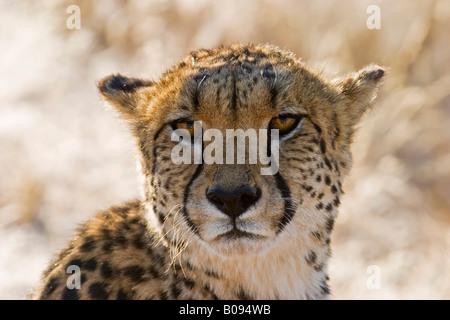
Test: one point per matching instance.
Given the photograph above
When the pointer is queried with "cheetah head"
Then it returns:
(231, 208)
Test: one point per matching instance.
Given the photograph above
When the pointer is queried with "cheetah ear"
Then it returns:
(360, 90)
(122, 93)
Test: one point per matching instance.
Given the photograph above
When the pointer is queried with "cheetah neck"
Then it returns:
(280, 273)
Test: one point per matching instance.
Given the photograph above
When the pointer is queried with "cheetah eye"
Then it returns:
(285, 123)
(186, 125)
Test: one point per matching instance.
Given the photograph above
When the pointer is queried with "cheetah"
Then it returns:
(223, 231)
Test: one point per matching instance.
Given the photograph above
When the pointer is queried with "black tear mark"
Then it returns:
(289, 209)
(155, 148)
(188, 220)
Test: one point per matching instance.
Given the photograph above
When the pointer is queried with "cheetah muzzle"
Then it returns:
(223, 230)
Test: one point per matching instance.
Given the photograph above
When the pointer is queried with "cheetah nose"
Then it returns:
(235, 202)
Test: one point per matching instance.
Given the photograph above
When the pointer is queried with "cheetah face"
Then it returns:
(229, 206)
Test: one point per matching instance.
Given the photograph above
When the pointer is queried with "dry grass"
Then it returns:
(63, 156)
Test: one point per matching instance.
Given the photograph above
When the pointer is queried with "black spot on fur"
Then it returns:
(324, 288)
(307, 148)
(122, 295)
(134, 273)
(175, 290)
(329, 224)
(75, 262)
(336, 166)
(320, 196)
(138, 243)
(333, 189)
(327, 180)
(107, 245)
(160, 215)
(153, 272)
(319, 205)
(268, 72)
(328, 163)
(316, 235)
(88, 245)
(49, 288)
(120, 240)
(318, 267)
(125, 226)
(97, 291)
(91, 264)
(106, 270)
(189, 283)
(322, 146)
(163, 295)
(319, 178)
(207, 289)
(311, 257)
(212, 273)
(106, 233)
(336, 201)
(242, 295)
(70, 294)
(329, 207)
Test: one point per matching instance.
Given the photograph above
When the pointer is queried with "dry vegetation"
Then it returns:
(63, 155)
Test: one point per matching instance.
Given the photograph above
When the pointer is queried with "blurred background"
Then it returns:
(64, 156)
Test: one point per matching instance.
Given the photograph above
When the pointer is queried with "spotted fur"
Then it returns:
(170, 244)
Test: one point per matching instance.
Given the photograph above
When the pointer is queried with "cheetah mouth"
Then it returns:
(237, 233)
(240, 242)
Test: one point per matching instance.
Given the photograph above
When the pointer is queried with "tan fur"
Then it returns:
(167, 245)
